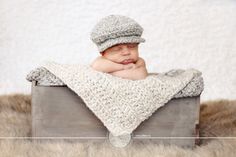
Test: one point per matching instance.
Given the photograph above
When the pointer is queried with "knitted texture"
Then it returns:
(121, 104)
(116, 29)
(46, 78)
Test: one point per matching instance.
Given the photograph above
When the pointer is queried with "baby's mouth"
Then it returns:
(127, 61)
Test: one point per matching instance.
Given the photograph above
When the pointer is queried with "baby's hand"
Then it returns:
(129, 66)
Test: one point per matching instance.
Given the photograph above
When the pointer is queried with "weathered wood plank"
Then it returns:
(59, 112)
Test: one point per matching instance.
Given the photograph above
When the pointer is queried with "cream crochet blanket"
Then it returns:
(121, 104)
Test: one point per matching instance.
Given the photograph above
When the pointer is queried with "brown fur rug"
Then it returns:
(217, 118)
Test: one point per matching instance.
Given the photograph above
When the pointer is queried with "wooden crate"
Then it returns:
(57, 111)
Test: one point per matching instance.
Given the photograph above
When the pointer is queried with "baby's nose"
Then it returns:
(126, 51)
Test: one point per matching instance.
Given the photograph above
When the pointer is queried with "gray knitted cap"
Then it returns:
(116, 29)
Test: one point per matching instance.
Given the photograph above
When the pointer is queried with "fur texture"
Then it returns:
(217, 118)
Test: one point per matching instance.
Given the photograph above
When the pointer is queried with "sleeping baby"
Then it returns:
(118, 38)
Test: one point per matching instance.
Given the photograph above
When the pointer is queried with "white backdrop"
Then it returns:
(183, 34)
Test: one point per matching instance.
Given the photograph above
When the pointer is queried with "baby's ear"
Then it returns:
(102, 53)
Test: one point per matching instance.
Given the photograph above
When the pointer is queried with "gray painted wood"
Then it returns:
(57, 111)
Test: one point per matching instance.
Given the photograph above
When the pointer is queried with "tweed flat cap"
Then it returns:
(116, 29)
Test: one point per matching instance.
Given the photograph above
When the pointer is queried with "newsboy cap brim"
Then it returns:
(120, 40)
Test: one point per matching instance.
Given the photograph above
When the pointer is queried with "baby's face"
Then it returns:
(122, 53)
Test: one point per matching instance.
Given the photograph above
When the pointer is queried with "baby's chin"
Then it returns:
(129, 63)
